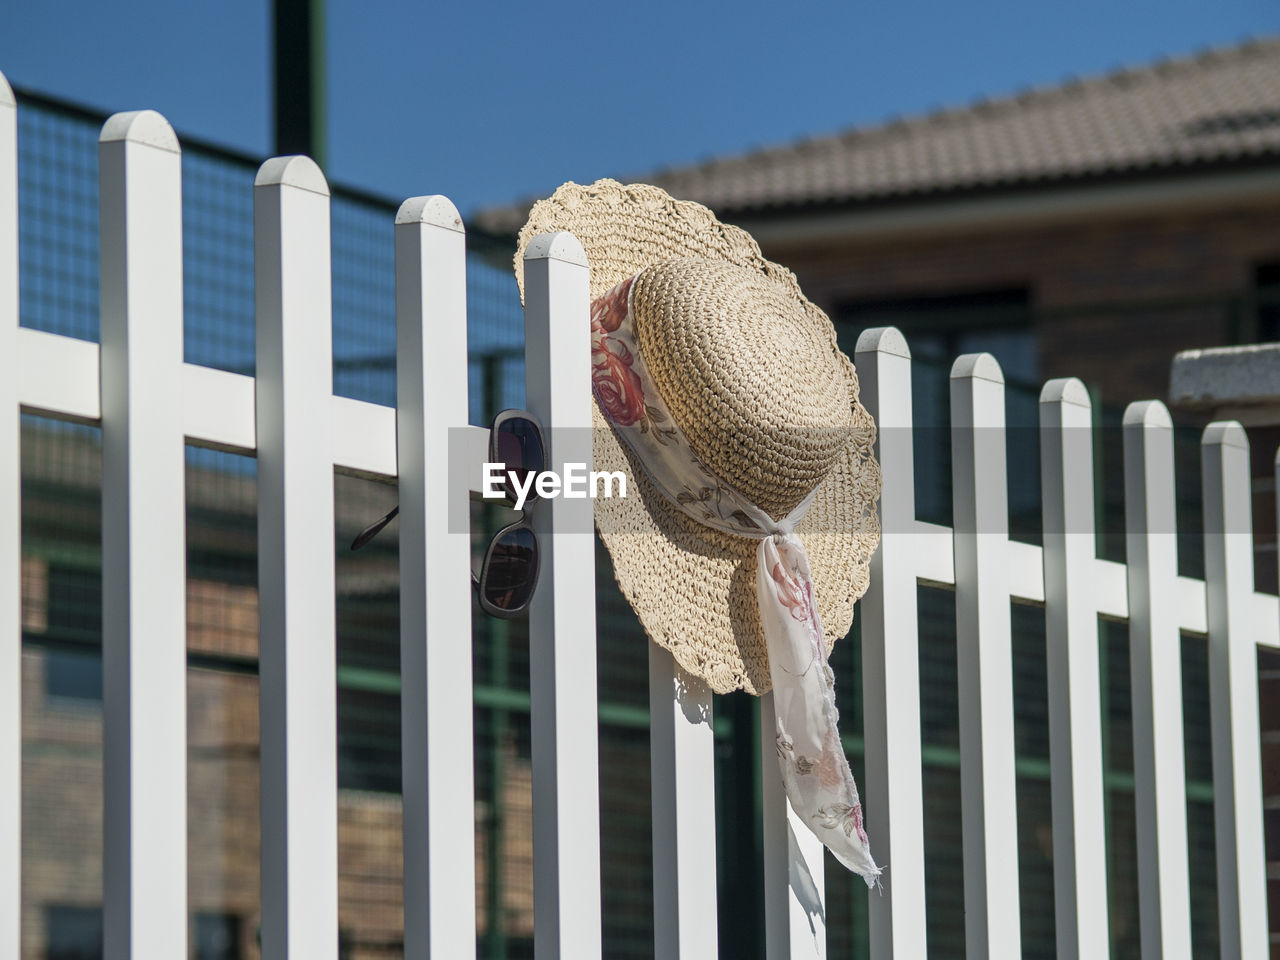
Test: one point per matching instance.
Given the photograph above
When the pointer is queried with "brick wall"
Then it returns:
(1113, 301)
(1103, 291)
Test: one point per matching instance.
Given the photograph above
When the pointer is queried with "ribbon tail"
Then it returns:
(811, 759)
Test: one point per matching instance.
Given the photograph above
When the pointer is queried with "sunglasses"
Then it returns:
(509, 571)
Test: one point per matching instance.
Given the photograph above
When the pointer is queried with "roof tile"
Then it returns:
(1220, 106)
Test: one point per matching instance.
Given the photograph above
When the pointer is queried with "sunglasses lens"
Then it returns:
(512, 571)
(519, 446)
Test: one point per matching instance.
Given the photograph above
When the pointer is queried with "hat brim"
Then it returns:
(693, 587)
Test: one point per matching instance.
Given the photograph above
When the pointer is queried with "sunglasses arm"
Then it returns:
(373, 529)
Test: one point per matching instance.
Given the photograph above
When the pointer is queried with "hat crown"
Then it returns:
(753, 378)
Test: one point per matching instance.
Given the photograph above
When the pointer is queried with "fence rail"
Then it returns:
(149, 402)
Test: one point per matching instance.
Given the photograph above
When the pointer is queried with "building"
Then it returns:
(1098, 226)
(1092, 229)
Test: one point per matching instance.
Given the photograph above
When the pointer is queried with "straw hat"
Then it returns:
(752, 375)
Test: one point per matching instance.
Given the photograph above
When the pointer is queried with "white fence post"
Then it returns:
(984, 659)
(144, 656)
(1071, 642)
(435, 627)
(1155, 664)
(562, 627)
(682, 742)
(135, 383)
(143, 540)
(891, 661)
(1233, 693)
(10, 540)
(795, 899)
(296, 653)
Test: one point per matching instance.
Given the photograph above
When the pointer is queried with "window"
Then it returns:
(73, 675)
(75, 603)
(368, 740)
(940, 328)
(216, 937)
(1266, 286)
(73, 933)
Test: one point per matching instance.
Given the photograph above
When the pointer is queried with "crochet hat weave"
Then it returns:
(752, 375)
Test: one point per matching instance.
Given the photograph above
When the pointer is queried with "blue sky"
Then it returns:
(490, 102)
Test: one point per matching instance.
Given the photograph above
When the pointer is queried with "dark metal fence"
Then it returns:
(62, 596)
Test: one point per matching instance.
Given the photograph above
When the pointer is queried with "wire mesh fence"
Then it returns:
(62, 632)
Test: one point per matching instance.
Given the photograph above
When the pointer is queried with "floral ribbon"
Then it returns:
(815, 771)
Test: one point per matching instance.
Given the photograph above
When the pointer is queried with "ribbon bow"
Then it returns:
(815, 771)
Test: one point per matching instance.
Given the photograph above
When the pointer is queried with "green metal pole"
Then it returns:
(299, 94)
(495, 947)
(1108, 816)
(496, 935)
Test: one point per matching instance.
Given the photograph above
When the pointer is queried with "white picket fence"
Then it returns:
(149, 402)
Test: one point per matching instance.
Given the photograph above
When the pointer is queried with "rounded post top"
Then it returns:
(1147, 413)
(140, 126)
(436, 210)
(6, 93)
(560, 246)
(298, 171)
(977, 366)
(883, 340)
(1066, 390)
(1225, 433)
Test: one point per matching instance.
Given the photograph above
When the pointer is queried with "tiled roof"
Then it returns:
(1220, 107)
